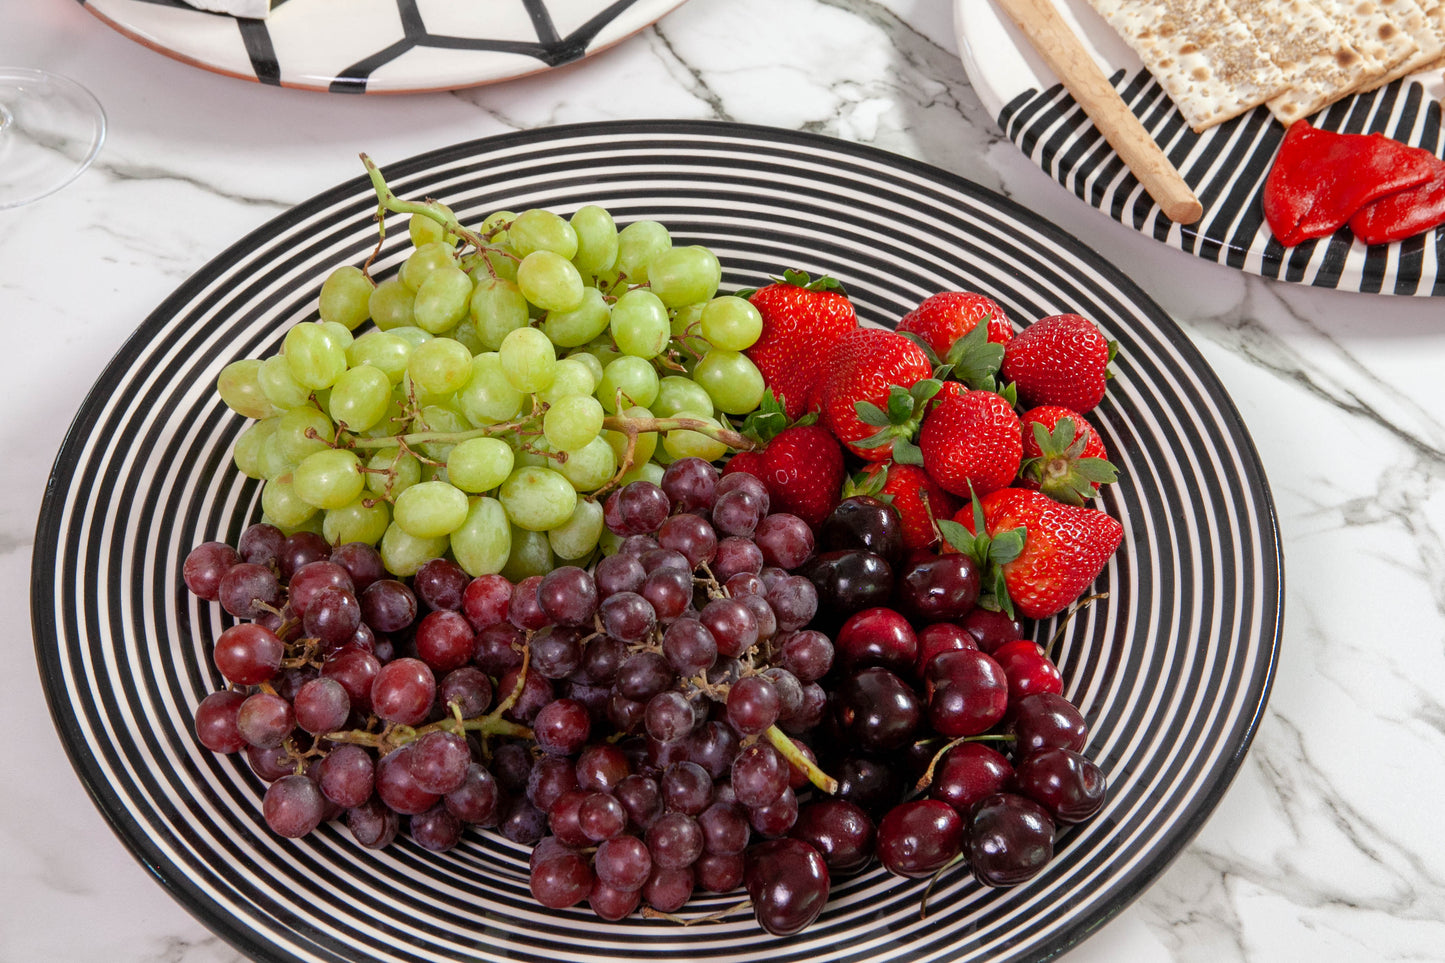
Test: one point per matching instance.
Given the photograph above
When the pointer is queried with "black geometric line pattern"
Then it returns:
(1227, 166)
(551, 48)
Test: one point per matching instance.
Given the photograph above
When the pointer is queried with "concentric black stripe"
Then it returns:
(1172, 669)
(1226, 166)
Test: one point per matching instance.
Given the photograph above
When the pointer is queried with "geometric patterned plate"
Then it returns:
(1172, 670)
(383, 46)
(1226, 165)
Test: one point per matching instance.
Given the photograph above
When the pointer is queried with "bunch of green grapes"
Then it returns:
(508, 376)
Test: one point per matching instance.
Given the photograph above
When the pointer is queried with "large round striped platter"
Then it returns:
(1226, 165)
(383, 46)
(1172, 670)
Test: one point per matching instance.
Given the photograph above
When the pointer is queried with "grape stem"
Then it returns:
(647, 912)
(388, 201)
(784, 744)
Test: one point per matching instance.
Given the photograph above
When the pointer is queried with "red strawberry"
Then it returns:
(1064, 457)
(1064, 549)
(802, 319)
(945, 317)
(971, 442)
(803, 469)
(1059, 360)
(748, 461)
(919, 500)
(862, 368)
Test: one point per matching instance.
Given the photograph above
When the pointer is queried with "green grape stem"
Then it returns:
(636, 426)
(784, 744)
(388, 201)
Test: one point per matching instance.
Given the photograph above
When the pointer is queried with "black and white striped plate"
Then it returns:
(383, 46)
(1226, 165)
(1172, 670)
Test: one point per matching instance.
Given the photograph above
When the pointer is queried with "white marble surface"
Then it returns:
(1327, 847)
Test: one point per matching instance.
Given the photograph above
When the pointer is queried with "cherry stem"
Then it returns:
(926, 780)
(784, 744)
(923, 900)
(1079, 606)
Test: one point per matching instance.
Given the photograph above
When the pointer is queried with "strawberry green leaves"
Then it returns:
(898, 426)
(990, 551)
(1064, 469)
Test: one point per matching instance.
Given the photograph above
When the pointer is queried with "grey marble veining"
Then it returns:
(1328, 845)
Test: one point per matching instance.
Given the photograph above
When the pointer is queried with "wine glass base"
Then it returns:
(51, 128)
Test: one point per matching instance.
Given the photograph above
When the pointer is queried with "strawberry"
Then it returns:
(802, 319)
(971, 442)
(1059, 360)
(1040, 572)
(861, 369)
(1064, 457)
(748, 461)
(803, 469)
(947, 316)
(918, 499)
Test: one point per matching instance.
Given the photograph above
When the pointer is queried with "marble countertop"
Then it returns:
(1327, 847)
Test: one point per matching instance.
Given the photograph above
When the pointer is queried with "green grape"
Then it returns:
(531, 555)
(274, 377)
(440, 418)
(442, 300)
(280, 501)
(292, 438)
(312, 354)
(570, 377)
(404, 554)
(646, 442)
(497, 309)
(572, 422)
(550, 282)
(273, 462)
(539, 230)
(731, 323)
(633, 378)
(648, 471)
(534, 454)
(480, 464)
(577, 537)
(466, 335)
(591, 361)
(249, 451)
(494, 226)
(360, 398)
(484, 542)
(686, 322)
(589, 467)
(492, 262)
(427, 230)
(329, 479)
(345, 297)
(684, 275)
(412, 335)
(596, 240)
(389, 472)
(441, 366)
(568, 329)
(488, 398)
(420, 263)
(311, 524)
(682, 443)
(240, 388)
(640, 326)
(610, 542)
(676, 395)
(637, 244)
(340, 333)
(528, 359)
(390, 304)
(732, 381)
(384, 350)
(429, 509)
(363, 520)
(538, 499)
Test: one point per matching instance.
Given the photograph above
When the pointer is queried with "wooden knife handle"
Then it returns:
(1065, 54)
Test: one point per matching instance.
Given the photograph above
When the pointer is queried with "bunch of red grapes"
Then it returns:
(728, 699)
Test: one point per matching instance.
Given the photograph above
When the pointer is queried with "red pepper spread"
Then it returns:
(1320, 179)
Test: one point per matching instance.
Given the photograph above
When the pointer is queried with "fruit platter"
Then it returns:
(657, 539)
